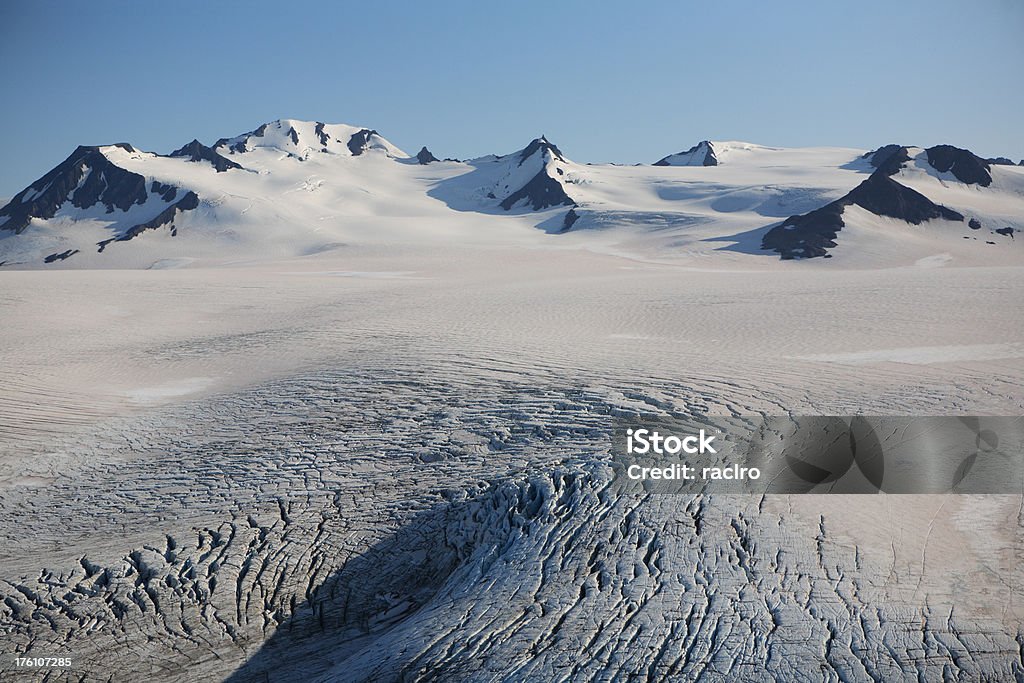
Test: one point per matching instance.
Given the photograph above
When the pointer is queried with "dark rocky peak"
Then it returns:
(425, 157)
(889, 159)
(85, 178)
(701, 154)
(963, 164)
(197, 151)
(1000, 161)
(360, 142)
(883, 196)
(541, 192)
(884, 153)
(541, 144)
(813, 234)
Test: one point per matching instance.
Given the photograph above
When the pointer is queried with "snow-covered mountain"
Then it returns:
(701, 154)
(90, 186)
(712, 153)
(943, 187)
(300, 139)
(293, 188)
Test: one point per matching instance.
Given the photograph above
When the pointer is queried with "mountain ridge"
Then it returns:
(275, 185)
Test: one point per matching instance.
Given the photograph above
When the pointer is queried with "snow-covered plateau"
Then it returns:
(298, 406)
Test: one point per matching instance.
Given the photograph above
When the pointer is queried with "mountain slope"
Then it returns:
(937, 186)
(701, 154)
(293, 188)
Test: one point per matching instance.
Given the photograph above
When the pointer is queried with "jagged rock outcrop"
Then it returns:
(197, 151)
(570, 219)
(360, 142)
(881, 155)
(701, 154)
(86, 178)
(239, 144)
(425, 157)
(543, 164)
(299, 139)
(813, 234)
(965, 166)
(540, 192)
(165, 219)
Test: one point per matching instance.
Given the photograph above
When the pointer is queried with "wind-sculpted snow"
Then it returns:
(399, 523)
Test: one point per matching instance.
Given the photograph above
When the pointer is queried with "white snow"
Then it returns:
(294, 199)
(352, 421)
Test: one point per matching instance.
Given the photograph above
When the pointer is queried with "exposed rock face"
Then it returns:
(541, 145)
(701, 154)
(570, 219)
(963, 164)
(197, 151)
(164, 219)
(425, 157)
(85, 178)
(813, 234)
(806, 236)
(541, 192)
(883, 196)
(299, 139)
(321, 133)
(966, 166)
(360, 142)
(1000, 161)
(881, 155)
(239, 144)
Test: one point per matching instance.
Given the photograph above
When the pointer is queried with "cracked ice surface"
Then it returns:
(430, 501)
(433, 535)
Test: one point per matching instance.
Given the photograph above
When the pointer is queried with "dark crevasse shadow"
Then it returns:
(382, 616)
(366, 598)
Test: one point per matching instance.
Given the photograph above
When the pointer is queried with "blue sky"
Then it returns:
(627, 83)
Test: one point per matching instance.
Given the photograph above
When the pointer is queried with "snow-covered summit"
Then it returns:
(91, 185)
(701, 154)
(302, 138)
(293, 187)
(532, 178)
(198, 152)
(940, 186)
(718, 152)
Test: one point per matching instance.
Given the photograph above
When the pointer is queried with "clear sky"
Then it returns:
(622, 82)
